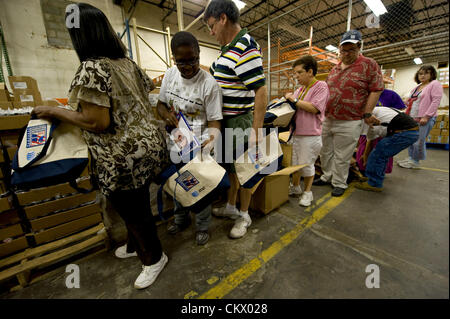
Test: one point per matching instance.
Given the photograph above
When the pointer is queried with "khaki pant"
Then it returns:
(339, 139)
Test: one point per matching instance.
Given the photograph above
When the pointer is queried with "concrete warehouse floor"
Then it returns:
(404, 230)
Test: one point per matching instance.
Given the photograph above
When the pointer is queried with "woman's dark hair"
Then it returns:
(428, 69)
(184, 38)
(308, 63)
(217, 7)
(95, 36)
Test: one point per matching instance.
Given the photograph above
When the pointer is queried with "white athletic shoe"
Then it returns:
(240, 226)
(121, 252)
(150, 273)
(224, 212)
(409, 164)
(295, 190)
(306, 199)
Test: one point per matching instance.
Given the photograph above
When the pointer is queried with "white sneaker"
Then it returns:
(150, 273)
(121, 252)
(240, 226)
(295, 190)
(404, 160)
(224, 212)
(306, 199)
(409, 164)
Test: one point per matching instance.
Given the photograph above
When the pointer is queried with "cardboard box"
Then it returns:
(435, 131)
(443, 139)
(11, 152)
(273, 190)
(6, 105)
(287, 154)
(5, 203)
(433, 139)
(19, 105)
(20, 83)
(4, 95)
(3, 189)
(444, 132)
(13, 246)
(58, 204)
(43, 193)
(10, 217)
(10, 231)
(9, 138)
(14, 122)
(28, 96)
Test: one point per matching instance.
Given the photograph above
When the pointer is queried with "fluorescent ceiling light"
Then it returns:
(331, 48)
(418, 61)
(240, 4)
(376, 6)
(410, 50)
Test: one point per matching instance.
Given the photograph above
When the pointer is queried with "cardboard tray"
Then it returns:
(55, 205)
(43, 193)
(15, 245)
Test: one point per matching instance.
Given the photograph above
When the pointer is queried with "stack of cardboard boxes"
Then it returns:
(40, 226)
(25, 91)
(440, 132)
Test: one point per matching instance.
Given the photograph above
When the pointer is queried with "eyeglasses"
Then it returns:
(211, 27)
(348, 51)
(187, 63)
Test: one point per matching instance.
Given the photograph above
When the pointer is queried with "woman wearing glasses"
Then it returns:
(193, 92)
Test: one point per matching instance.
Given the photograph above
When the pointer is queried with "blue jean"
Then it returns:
(387, 147)
(418, 151)
(202, 218)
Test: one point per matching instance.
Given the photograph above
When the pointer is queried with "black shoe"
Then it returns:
(319, 182)
(202, 237)
(175, 228)
(337, 191)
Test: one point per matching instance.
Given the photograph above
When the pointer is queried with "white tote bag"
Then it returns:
(195, 180)
(259, 161)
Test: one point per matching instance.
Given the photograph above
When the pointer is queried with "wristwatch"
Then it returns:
(295, 101)
(367, 115)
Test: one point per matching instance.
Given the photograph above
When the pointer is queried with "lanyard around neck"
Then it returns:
(305, 90)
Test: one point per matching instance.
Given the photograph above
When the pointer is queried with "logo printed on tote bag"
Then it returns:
(36, 135)
(187, 180)
(31, 155)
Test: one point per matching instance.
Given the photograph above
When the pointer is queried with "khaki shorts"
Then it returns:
(243, 121)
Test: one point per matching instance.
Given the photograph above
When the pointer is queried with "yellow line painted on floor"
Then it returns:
(434, 169)
(318, 202)
(190, 295)
(236, 278)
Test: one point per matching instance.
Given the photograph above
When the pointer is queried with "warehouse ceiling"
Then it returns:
(420, 26)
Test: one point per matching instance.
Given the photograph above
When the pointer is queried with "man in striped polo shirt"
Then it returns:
(239, 72)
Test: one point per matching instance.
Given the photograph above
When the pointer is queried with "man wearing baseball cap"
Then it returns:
(355, 85)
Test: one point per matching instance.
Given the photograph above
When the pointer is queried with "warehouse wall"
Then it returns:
(151, 16)
(54, 68)
(29, 51)
(404, 82)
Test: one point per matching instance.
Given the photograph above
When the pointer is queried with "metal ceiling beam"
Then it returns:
(180, 15)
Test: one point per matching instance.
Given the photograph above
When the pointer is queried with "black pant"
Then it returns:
(134, 208)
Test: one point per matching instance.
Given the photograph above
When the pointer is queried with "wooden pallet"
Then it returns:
(32, 264)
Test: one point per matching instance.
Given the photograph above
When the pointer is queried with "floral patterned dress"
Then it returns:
(131, 151)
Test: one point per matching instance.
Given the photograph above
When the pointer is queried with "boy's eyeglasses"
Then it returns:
(187, 63)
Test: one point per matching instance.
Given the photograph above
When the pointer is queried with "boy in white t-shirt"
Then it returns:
(195, 93)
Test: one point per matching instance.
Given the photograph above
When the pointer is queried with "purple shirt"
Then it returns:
(308, 123)
(391, 99)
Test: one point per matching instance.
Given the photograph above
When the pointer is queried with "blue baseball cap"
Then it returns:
(352, 36)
